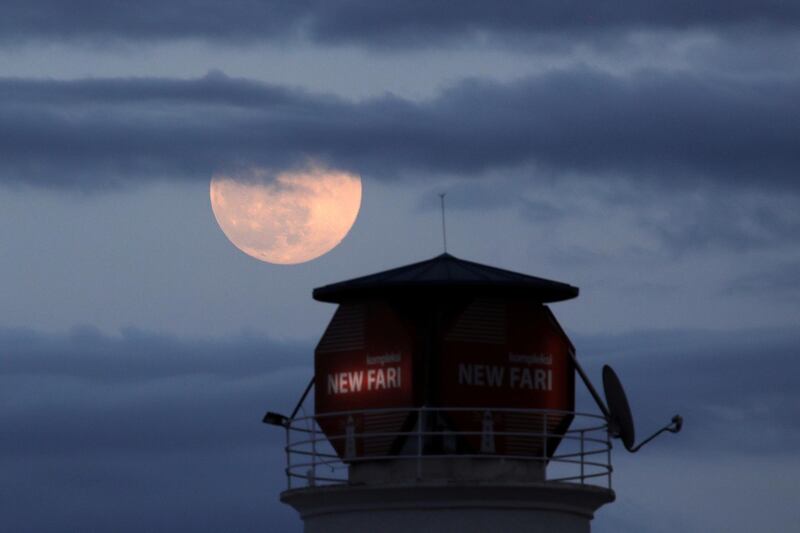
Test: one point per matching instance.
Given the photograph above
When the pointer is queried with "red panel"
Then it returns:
(507, 355)
(364, 361)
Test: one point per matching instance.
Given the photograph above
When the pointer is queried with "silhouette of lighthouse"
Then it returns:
(444, 400)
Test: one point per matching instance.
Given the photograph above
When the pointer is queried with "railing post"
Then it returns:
(608, 459)
(583, 431)
(420, 425)
(487, 433)
(313, 480)
(544, 445)
(288, 456)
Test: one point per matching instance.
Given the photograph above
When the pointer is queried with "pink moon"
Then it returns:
(287, 219)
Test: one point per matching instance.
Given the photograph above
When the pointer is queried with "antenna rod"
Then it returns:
(302, 398)
(444, 228)
(589, 386)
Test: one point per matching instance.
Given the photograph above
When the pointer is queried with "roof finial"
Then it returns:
(444, 228)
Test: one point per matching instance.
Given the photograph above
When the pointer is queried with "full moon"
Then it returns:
(288, 218)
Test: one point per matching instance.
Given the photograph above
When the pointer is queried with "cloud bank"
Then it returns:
(375, 23)
(144, 432)
(651, 127)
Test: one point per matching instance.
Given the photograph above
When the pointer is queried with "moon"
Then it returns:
(288, 218)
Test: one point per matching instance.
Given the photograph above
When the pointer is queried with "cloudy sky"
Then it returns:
(647, 152)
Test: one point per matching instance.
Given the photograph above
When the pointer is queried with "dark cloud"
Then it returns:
(373, 23)
(88, 393)
(781, 281)
(657, 128)
(137, 356)
(146, 432)
(724, 220)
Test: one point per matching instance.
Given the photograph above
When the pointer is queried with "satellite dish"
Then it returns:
(620, 417)
(618, 412)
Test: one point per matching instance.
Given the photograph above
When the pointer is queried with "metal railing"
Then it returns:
(577, 452)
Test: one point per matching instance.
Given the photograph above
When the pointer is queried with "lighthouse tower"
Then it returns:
(444, 400)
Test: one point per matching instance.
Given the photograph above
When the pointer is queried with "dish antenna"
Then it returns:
(617, 410)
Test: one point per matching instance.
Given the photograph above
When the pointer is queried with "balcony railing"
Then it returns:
(560, 446)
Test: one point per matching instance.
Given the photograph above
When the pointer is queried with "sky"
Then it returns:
(647, 152)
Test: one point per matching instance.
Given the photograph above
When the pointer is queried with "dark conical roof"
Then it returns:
(445, 273)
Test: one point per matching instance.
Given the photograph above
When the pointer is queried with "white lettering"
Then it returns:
(540, 380)
(464, 374)
(477, 372)
(495, 375)
(531, 359)
(481, 375)
(372, 379)
(380, 382)
(333, 385)
(356, 380)
(526, 379)
(345, 382)
(392, 375)
(383, 359)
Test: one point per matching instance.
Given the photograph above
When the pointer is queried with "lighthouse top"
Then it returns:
(445, 274)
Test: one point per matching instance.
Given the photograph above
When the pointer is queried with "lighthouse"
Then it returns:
(444, 400)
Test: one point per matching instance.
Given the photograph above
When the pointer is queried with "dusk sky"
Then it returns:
(647, 152)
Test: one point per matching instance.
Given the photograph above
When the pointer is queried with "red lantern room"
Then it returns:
(474, 345)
